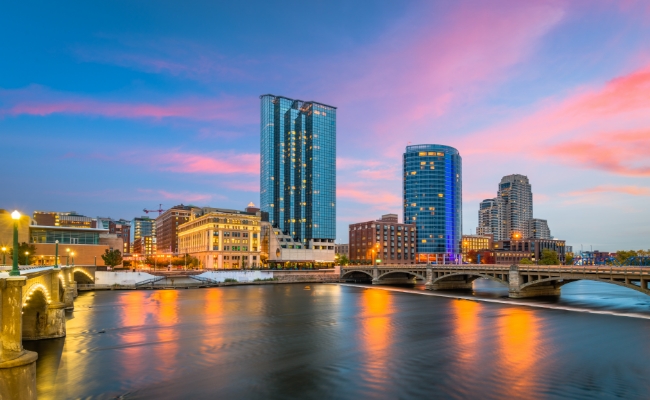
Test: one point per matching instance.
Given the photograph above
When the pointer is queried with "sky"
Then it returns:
(107, 108)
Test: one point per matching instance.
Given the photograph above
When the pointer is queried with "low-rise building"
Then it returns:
(513, 251)
(471, 245)
(384, 241)
(280, 250)
(222, 238)
(538, 229)
(144, 245)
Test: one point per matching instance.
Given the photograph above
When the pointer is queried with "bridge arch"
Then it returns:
(82, 276)
(347, 274)
(35, 315)
(472, 276)
(565, 281)
(416, 275)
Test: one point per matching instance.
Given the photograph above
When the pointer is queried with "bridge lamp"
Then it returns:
(4, 255)
(14, 268)
(67, 257)
(72, 255)
(27, 257)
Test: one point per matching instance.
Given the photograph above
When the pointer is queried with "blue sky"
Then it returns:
(110, 108)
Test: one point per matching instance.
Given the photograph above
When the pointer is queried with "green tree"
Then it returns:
(525, 261)
(623, 255)
(549, 257)
(23, 247)
(112, 257)
(568, 259)
(343, 259)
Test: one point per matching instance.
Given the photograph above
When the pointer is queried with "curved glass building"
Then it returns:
(433, 201)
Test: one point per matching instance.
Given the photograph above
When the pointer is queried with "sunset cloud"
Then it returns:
(38, 101)
(611, 189)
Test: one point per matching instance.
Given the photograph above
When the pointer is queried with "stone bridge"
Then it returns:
(32, 307)
(521, 280)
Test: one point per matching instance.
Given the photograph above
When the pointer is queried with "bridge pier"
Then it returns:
(46, 322)
(17, 366)
(460, 282)
(516, 282)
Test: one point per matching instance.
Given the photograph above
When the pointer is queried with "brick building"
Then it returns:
(385, 239)
(167, 228)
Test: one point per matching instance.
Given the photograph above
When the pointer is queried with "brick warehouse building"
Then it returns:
(386, 239)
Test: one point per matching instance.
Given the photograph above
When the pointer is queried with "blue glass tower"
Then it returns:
(298, 168)
(433, 200)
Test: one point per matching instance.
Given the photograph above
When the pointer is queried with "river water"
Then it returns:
(322, 341)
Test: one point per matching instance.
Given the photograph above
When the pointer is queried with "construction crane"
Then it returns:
(159, 210)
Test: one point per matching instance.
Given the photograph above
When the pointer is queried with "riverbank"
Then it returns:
(128, 280)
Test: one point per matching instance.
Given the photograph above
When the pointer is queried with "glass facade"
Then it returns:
(298, 167)
(433, 201)
(64, 237)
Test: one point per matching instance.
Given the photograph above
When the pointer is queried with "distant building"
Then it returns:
(471, 244)
(385, 240)
(298, 170)
(122, 229)
(515, 202)
(167, 225)
(222, 238)
(65, 219)
(342, 249)
(538, 229)
(488, 218)
(512, 251)
(433, 201)
(143, 232)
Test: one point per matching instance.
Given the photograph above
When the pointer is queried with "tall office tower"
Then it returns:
(515, 202)
(488, 218)
(538, 229)
(298, 169)
(433, 200)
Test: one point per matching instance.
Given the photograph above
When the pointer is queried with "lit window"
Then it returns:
(439, 194)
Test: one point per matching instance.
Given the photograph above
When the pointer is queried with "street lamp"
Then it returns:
(27, 258)
(4, 255)
(14, 268)
(72, 256)
(56, 254)
(67, 257)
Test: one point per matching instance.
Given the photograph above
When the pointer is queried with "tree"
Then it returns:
(623, 255)
(112, 257)
(23, 247)
(525, 261)
(549, 257)
(343, 259)
(568, 259)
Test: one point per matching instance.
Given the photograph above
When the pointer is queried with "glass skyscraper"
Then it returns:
(298, 168)
(433, 201)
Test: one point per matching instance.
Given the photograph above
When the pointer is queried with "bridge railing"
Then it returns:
(570, 269)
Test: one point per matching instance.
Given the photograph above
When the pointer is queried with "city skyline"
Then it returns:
(111, 109)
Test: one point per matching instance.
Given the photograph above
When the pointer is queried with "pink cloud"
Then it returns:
(214, 163)
(603, 127)
(629, 190)
(424, 73)
(368, 196)
(35, 100)
(183, 196)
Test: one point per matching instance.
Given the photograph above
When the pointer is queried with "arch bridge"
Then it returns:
(521, 280)
(32, 307)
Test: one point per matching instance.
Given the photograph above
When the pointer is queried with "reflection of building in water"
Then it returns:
(222, 238)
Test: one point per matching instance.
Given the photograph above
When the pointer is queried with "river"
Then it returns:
(332, 341)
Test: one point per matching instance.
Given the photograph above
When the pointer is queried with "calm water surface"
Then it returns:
(330, 341)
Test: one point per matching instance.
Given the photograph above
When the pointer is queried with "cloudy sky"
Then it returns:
(110, 108)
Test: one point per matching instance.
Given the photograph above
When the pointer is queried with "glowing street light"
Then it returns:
(14, 268)
(4, 255)
(27, 258)
(72, 256)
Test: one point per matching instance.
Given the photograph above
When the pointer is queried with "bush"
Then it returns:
(265, 279)
(230, 280)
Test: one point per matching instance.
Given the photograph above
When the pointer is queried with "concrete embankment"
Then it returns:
(134, 280)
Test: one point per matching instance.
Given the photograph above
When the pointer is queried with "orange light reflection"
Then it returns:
(519, 355)
(376, 333)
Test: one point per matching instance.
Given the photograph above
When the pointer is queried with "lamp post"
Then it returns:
(4, 255)
(14, 268)
(27, 258)
(67, 257)
(72, 256)
(56, 254)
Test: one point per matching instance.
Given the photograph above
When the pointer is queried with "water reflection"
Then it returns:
(375, 334)
(131, 335)
(166, 316)
(466, 331)
(519, 351)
